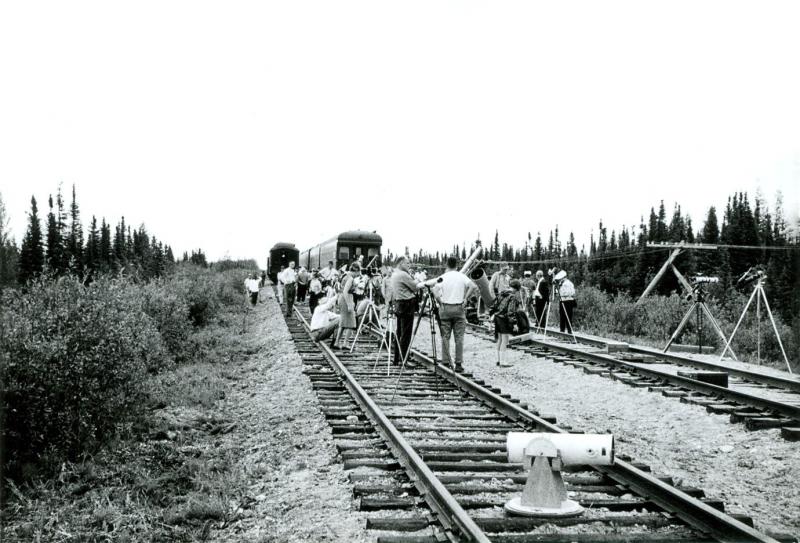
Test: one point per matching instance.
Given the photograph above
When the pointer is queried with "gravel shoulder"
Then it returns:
(301, 489)
(755, 473)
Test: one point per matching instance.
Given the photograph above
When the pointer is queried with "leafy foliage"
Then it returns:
(73, 359)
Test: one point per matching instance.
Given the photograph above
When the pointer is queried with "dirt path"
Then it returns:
(755, 473)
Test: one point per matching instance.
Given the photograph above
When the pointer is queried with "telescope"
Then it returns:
(701, 279)
(750, 275)
(544, 455)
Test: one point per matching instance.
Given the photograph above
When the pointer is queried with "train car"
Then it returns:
(280, 255)
(343, 249)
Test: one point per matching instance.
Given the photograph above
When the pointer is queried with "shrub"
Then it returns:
(657, 317)
(72, 365)
(169, 310)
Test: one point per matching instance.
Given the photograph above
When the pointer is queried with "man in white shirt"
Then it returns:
(453, 290)
(279, 288)
(314, 291)
(324, 321)
(252, 285)
(566, 291)
(289, 280)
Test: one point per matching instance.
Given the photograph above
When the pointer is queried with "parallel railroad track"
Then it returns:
(755, 399)
(430, 465)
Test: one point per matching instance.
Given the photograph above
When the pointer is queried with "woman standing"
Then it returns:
(505, 310)
(347, 306)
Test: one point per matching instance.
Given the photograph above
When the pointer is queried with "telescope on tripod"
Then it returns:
(699, 309)
(758, 276)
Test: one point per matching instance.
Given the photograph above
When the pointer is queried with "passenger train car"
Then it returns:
(280, 255)
(344, 249)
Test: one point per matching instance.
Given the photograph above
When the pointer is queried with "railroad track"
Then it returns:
(757, 400)
(430, 463)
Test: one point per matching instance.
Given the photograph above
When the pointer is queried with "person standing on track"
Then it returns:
(302, 284)
(404, 293)
(528, 286)
(541, 295)
(452, 292)
(314, 291)
(500, 279)
(347, 307)
(289, 279)
(567, 292)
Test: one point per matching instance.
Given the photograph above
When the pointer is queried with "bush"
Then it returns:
(169, 310)
(73, 362)
(657, 317)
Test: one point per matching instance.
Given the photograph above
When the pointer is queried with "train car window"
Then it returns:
(344, 253)
(357, 253)
(372, 251)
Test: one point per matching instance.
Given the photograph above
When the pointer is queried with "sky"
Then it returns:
(230, 126)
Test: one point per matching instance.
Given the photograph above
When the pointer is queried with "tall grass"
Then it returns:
(656, 317)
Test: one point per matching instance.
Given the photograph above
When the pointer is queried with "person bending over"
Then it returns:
(324, 321)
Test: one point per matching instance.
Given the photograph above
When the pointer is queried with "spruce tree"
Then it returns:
(55, 242)
(75, 243)
(9, 255)
(31, 257)
(106, 258)
(92, 253)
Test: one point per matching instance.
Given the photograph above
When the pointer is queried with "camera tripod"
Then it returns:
(758, 294)
(433, 318)
(389, 333)
(369, 313)
(699, 308)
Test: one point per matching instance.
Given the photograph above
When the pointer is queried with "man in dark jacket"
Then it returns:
(541, 295)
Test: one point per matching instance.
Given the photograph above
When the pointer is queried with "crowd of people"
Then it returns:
(339, 300)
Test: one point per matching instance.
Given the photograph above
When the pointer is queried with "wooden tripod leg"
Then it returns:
(680, 327)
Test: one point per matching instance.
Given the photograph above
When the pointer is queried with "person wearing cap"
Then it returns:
(528, 286)
(324, 321)
(541, 294)
(566, 291)
(314, 290)
(453, 291)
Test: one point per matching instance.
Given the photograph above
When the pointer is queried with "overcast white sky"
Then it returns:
(233, 125)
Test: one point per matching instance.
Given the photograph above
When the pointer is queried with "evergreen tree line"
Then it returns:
(63, 247)
(618, 261)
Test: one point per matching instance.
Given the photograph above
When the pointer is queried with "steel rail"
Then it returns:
(449, 512)
(754, 376)
(694, 512)
(743, 398)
